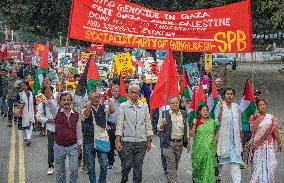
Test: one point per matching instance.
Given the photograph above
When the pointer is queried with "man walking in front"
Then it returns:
(112, 121)
(95, 120)
(173, 129)
(133, 135)
(44, 116)
(68, 138)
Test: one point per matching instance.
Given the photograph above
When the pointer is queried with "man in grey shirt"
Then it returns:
(112, 121)
(133, 135)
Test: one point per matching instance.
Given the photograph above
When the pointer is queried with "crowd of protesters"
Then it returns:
(73, 124)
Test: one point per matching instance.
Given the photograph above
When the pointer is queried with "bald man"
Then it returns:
(133, 134)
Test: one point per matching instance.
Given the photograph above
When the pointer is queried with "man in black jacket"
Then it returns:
(174, 135)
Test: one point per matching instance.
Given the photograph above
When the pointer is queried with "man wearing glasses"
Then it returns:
(133, 134)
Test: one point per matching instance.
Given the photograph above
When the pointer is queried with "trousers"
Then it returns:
(172, 155)
(50, 144)
(235, 172)
(132, 156)
(28, 133)
(60, 155)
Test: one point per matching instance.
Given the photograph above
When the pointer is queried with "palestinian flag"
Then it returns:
(184, 90)
(247, 106)
(92, 76)
(212, 99)
(42, 71)
(198, 99)
(123, 95)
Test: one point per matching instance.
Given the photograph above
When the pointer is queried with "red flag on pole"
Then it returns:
(123, 95)
(92, 76)
(167, 84)
(93, 71)
(44, 58)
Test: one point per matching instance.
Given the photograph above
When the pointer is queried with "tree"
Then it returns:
(41, 17)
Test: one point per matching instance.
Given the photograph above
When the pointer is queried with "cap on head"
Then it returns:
(257, 92)
(218, 79)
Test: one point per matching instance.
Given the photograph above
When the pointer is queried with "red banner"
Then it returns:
(225, 29)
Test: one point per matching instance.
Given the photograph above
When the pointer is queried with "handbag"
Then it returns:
(18, 110)
(101, 138)
(248, 152)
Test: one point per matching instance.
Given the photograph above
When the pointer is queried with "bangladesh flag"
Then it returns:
(184, 90)
(212, 99)
(123, 95)
(42, 71)
(247, 107)
(198, 99)
(92, 76)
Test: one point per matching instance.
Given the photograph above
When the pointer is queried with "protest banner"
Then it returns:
(208, 62)
(222, 29)
(98, 49)
(17, 56)
(192, 72)
(123, 64)
(67, 63)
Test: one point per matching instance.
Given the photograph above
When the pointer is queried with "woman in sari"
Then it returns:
(265, 132)
(203, 147)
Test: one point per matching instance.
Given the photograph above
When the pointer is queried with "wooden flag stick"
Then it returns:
(252, 73)
(63, 65)
(166, 96)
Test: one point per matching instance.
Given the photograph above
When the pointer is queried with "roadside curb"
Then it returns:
(281, 71)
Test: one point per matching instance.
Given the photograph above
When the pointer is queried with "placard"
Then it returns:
(123, 64)
(208, 62)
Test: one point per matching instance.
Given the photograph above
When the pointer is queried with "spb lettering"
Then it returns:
(230, 39)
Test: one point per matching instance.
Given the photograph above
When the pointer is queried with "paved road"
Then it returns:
(22, 164)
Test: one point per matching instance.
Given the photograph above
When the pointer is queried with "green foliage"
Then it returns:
(41, 17)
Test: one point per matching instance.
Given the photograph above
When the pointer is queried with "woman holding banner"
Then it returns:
(265, 132)
(203, 147)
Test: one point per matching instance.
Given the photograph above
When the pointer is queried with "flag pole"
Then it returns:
(166, 96)
(64, 62)
(252, 72)
(195, 101)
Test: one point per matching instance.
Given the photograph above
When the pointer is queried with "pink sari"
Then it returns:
(264, 160)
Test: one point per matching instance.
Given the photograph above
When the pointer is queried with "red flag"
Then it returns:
(198, 98)
(167, 84)
(44, 58)
(184, 81)
(201, 97)
(214, 90)
(248, 94)
(123, 95)
(93, 73)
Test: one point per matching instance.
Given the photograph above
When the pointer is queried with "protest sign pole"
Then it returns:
(252, 72)
(166, 97)
(63, 65)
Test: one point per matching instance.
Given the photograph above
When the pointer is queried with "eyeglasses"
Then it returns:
(134, 92)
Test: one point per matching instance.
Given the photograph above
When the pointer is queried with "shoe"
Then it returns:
(28, 143)
(109, 167)
(50, 171)
(84, 169)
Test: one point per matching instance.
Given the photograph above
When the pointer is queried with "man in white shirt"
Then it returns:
(44, 116)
